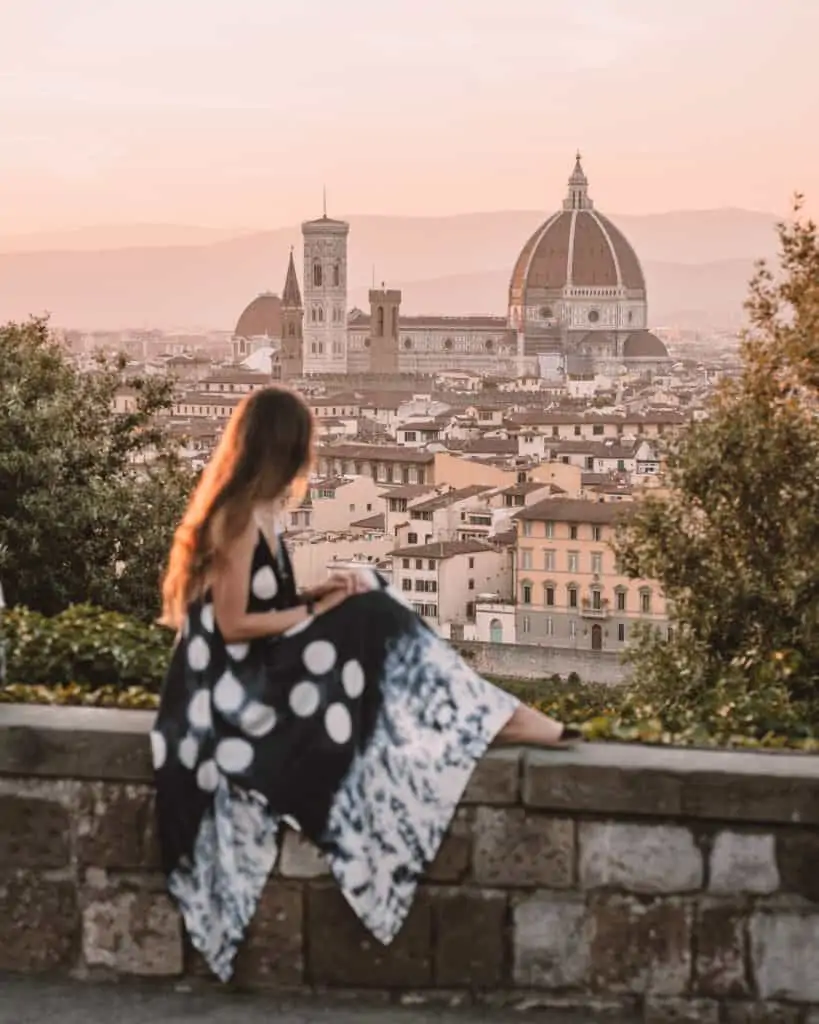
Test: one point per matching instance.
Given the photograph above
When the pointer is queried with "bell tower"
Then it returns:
(292, 343)
(325, 295)
(385, 307)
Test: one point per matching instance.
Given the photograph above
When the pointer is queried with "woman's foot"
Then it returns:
(530, 728)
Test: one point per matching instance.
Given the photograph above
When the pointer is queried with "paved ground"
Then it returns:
(33, 1001)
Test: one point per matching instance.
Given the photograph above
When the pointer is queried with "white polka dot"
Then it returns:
(159, 749)
(356, 874)
(301, 625)
(198, 654)
(304, 699)
(188, 752)
(206, 618)
(352, 679)
(291, 822)
(234, 755)
(264, 584)
(199, 714)
(338, 723)
(228, 694)
(319, 657)
(238, 651)
(257, 719)
(207, 778)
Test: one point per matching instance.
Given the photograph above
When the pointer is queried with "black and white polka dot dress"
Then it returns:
(360, 727)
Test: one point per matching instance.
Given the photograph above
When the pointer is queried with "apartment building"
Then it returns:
(568, 588)
(442, 580)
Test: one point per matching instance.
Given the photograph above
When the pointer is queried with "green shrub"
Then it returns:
(84, 645)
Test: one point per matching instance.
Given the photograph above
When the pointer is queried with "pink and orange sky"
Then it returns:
(233, 113)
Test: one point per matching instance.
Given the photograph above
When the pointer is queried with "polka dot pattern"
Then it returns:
(228, 694)
(304, 699)
(199, 711)
(265, 586)
(159, 749)
(352, 679)
(338, 723)
(300, 626)
(207, 776)
(319, 657)
(188, 752)
(206, 618)
(238, 652)
(198, 653)
(257, 719)
(234, 755)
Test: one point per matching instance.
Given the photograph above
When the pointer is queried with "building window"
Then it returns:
(621, 632)
(526, 624)
(405, 563)
(597, 533)
(597, 600)
(317, 278)
(470, 585)
(412, 538)
(379, 322)
(597, 562)
(621, 600)
(645, 602)
(572, 596)
(597, 429)
(572, 630)
(549, 596)
(526, 559)
(496, 631)
(431, 565)
(549, 626)
(421, 585)
(406, 583)
(527, 528)
(573, 559)
(550, 530)
(336, 275)
(573, 532)
(419, 564)
(526, 593)
(549, 561)
(577, 430)
(471, 563)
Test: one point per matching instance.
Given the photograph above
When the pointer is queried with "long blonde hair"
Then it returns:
(265, 451)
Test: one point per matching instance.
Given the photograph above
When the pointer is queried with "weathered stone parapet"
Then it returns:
(669, 885)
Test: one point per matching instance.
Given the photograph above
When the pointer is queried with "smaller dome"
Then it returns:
(644, 345)
(262, 318)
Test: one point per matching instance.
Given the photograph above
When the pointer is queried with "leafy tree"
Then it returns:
(734, 539)
(88, 497)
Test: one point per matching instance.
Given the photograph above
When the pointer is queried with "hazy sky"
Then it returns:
(234, 112)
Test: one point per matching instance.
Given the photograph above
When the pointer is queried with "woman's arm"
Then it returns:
(230, 588)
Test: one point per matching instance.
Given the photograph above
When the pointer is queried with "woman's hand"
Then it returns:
(348, 583)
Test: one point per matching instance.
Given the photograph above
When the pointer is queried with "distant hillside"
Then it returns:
(697, 266)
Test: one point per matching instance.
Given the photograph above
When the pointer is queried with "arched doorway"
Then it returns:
(496, 631)
(597, 638)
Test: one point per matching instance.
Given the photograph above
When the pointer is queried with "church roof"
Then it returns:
(291, 296)
(261, 318)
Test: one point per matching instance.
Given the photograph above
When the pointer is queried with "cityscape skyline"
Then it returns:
(238, 117)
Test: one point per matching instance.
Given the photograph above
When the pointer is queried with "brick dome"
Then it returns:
(262, 318)
(644, 345)
(577, 247)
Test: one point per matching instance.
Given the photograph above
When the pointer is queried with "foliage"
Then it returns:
(88, 496)
(84, 646)
(733, 540)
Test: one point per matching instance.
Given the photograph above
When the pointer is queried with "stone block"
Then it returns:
(34, 833)
(762, 1013)
(116, 827)
(756, 795)
(341, 953)
(300, 858)
(513, 848)
(721, 946)
(639, 858)
(593, 789)
(797, 857)
(470, 929)
(681, 1011)
(784, 956)
(272, 954)
(453, 862)
(39, 924)
(641, 946)
(743, 862)
(138, 933)
(551, 941)
(496, 779)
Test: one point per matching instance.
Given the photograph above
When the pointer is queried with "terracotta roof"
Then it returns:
(375, 453)
(409, 491)
(495, 324)
(376, 522)
(594, 448)
(263, 316)
(644, 345)
(450, 498)
(570, 510)
(442, 549)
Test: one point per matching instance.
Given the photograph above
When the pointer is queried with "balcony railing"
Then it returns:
(590, 610)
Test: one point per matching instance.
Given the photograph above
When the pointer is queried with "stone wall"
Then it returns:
(672, 885)
(532, 661)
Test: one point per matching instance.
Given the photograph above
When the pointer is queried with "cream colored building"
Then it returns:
(335, 503)
(442, 580)
(569, 592)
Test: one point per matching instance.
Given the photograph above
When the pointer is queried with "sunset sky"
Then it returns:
(234, 113)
